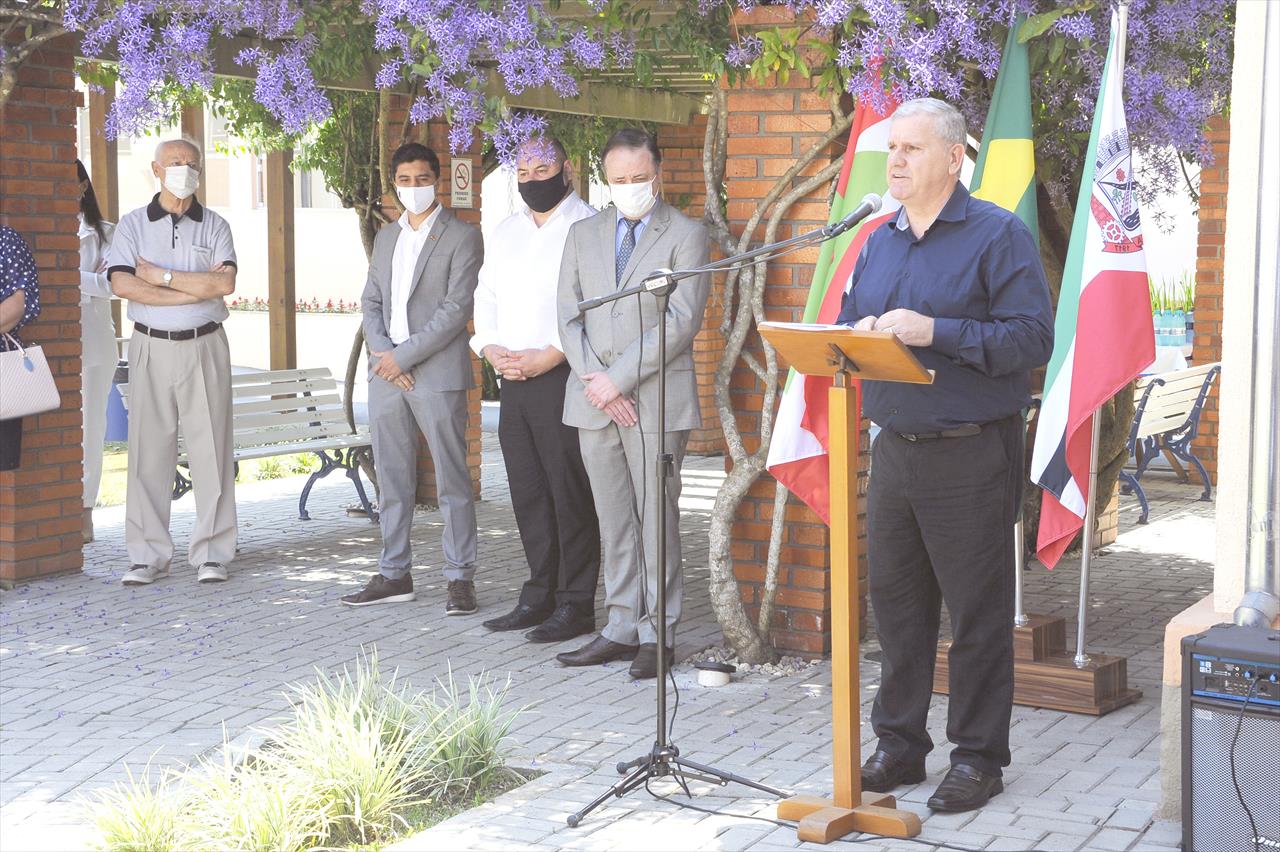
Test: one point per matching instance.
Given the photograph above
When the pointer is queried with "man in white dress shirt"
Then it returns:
(517, 331)
(417, 300)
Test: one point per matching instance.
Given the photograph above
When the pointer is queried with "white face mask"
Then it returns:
(181, 181)
(633, 200)
(416, 199)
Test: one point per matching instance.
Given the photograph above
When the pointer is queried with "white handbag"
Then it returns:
(26, 383)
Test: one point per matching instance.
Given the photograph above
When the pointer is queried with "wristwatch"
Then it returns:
(167, 278)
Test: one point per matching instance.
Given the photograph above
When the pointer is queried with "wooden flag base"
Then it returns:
(822, 821)
(1045, 673)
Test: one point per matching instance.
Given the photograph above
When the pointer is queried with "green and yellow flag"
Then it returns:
(1006, 168)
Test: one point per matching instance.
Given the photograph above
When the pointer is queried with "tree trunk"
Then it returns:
(743, 309)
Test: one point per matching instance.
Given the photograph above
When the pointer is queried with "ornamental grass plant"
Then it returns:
(357, 752)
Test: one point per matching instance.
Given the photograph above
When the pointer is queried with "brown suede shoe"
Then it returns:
(381, 590)
(462, 598)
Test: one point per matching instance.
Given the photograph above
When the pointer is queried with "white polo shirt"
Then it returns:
(197, 241)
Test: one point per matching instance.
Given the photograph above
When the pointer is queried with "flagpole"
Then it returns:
(1086, 535)
(1091, 510)
(1019, 565)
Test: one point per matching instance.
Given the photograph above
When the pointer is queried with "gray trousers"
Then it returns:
(395, 418)
(620, 465)
(185, 382)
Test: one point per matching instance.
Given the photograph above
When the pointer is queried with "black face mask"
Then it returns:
(542, 195)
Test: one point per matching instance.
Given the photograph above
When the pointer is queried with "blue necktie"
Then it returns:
(624, 251)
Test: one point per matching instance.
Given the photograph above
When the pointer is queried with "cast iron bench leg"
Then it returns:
(1136, 487)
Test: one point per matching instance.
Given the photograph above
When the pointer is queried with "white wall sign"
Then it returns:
(460, 183)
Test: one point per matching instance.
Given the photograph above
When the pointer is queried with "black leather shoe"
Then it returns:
(521, 618)
(597, 652)
(882, 772)
(645, 665)
(965, 788)
(567, 622)
(462, 598)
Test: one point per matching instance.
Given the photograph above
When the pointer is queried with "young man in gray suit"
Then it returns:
(417, 301)
(612, 394)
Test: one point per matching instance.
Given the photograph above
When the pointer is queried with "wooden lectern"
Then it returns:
(845, 354)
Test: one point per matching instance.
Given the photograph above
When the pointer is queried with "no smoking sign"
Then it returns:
(460, 185)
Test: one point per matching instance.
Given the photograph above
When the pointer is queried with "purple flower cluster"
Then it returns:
(163, 43)
(439, 45)
(286, 86)
(514, 131)
(1178, 67)
(744, 51)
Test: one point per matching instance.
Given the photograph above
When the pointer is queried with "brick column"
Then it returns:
(40, 501)
(769, 128)
(685, 189)
(1207, 344)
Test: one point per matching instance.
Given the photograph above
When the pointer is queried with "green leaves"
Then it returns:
(781, 55)
(1037, 25)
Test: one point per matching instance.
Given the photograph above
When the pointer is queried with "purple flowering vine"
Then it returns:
(1178, 67)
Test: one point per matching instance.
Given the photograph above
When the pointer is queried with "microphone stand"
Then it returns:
(664, 758)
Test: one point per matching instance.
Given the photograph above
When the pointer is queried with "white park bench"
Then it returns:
(1166, 418)
(284, 412)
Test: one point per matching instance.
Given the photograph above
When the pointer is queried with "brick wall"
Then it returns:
(40, 501)
(1208, 328)
(770, 126)
(685, 188)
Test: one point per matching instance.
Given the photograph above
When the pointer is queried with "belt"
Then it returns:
(184, 334)
(965, 431)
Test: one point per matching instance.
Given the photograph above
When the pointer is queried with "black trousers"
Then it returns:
(10, 443)
(940, 520)
(550, 493)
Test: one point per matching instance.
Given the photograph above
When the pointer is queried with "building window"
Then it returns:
(259, 181)
(303, 179)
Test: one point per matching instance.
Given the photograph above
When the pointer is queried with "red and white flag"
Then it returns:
(1103, 335)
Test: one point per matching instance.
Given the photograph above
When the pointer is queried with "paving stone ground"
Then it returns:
(95, 677)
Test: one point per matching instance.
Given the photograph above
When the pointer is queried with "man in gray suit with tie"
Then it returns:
(612, 395)
(417, 302)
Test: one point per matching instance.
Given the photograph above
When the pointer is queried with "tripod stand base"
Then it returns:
(664, 761)
(822, 821)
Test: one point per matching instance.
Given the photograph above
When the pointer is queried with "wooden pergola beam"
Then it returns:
(675, 105)
(281, 292)
(609, 101)
(193, 128)
(104, 169)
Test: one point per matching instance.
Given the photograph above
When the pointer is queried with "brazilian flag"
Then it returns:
(1006, 168)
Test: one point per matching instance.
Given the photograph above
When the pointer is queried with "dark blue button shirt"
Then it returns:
(977, 272)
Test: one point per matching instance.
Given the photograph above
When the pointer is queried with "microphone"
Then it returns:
(870, 204)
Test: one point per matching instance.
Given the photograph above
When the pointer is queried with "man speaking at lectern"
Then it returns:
(958, 280)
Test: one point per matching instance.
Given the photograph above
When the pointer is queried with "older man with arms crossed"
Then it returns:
(174, 261)
(958, 280)
(612, 395)
(516, 330)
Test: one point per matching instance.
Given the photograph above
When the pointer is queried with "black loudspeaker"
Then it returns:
(1231, 716)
